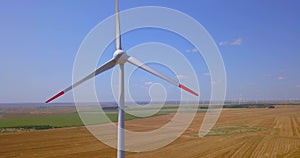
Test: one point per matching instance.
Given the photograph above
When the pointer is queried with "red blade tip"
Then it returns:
(56, 96)
(187, 89)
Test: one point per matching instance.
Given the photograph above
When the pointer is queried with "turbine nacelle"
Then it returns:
(120, 56)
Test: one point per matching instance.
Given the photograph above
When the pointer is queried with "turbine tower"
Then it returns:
(120, 57)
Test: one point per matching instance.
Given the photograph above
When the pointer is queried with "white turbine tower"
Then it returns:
(120, 57)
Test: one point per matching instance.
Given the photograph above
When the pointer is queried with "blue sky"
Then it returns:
(258, 40)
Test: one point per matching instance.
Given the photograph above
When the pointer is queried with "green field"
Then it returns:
(56, 120)
(66, 120)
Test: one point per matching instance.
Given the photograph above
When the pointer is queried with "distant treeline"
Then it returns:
(33, 127)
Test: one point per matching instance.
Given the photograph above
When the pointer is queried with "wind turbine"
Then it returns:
(120, 57)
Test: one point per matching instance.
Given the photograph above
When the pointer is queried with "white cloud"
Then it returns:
(187, 50)
(194, 50)
(182, 76)
(206, 74)
(148, 83)
(236, 42)
(223, 43)
(280, 78)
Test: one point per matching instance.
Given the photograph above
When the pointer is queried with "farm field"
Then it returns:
(239, 132)
(37, 118)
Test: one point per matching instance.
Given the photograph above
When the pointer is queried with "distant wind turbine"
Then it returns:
(120, 57)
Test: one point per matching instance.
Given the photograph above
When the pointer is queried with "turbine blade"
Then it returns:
(108, 65)
(187, 89)
(141, 65)
(56, 96)
(118, 33)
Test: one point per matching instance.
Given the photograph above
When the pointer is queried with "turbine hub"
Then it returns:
(120, 56)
